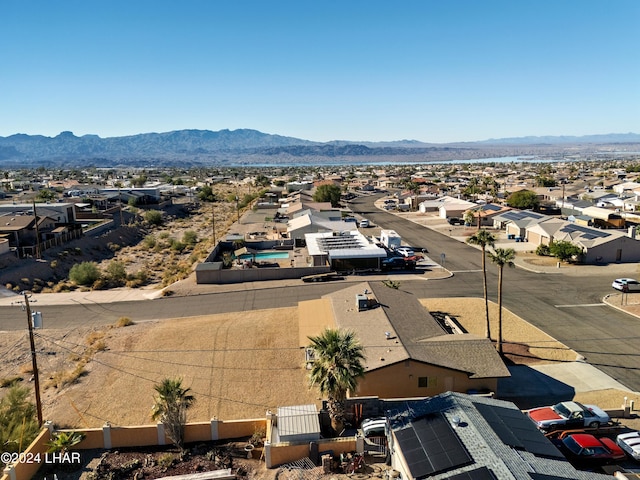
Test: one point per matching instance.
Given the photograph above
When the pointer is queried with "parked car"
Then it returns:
(586, 449)
(630, 443)
(626, 285)
(322, 277)
(568, 415)
(405, 251)
(364, 223)
(374, 427)
(455, 221)
(392, 263)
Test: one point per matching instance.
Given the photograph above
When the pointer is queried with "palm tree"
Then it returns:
(62, 442)
(484, 239)
(170, 408)
(336, 369)
(501, 257)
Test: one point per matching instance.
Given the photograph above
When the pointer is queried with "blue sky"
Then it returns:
(435, 71)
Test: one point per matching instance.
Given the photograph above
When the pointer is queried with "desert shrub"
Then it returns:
(116, 272)
(17, 289)
(153, 217)
(114, 247)
(53, 264)
(36, 288)
(124, 322)
(61, 287)
(100, 284)
(149, 242)
(38, 281)
(190, 237)
(9, 381)
(177, 245)
(85, 273)
(25, 280)
(62, 378)
(93, 337)
(8, 286)
(166, 460)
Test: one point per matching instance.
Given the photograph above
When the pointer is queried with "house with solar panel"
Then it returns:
(455, 436)
(516, 222)
(483, 215)
(598, 245)
(344, 250)
(409, 352)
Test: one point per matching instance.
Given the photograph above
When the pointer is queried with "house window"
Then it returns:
(427, 382)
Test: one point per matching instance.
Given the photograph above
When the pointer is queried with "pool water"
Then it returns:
(264, 256)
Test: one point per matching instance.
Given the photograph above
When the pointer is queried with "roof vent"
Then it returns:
(456, 421)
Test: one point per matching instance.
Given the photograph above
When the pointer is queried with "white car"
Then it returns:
(364, 223)
(626, 284)
(374, 427)
(630, 443)
(405, 251)
(568, 415)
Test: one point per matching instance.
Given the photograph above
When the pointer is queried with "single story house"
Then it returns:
(408, 352)
(344, 250)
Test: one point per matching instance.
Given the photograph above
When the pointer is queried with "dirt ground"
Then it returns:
(238, 365)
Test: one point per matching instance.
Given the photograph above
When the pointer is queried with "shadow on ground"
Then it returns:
(528, 388)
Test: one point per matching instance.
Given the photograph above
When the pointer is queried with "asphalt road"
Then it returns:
(567, 308)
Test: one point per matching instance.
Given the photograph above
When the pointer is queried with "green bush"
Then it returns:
(177, 245)
(116, 272)
(84, 273)
(149, 241)
(543, 250)
(190, 237)
(153, 217)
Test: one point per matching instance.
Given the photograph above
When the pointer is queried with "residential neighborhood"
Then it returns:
(348, 234)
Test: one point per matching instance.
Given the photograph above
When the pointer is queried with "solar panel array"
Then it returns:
(515, 215)
(338, 242)
(585, 232)
(516, 430)
(491, 207)
(430, 445)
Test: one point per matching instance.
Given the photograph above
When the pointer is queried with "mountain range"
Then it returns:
(251, 147)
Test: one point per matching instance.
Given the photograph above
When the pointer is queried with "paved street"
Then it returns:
(567, 306)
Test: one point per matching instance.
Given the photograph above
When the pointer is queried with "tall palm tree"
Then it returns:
(336, 369)
(501, 257)
(170, 407)
(484, 238)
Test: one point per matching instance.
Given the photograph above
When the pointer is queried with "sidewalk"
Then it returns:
(188, 287)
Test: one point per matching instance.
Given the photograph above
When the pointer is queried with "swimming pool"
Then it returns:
(264, 256)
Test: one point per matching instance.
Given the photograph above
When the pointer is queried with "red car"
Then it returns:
(584, 448)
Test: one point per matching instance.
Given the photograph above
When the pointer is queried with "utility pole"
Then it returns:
(35, 216)
(213, 223)
(34, 362)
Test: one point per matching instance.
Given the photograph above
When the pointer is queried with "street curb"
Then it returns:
(606, 301)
